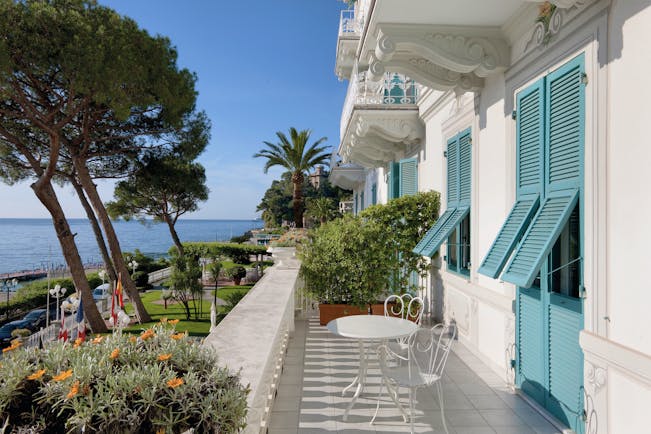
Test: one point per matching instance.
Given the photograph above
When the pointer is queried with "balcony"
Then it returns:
(351, 26)
(379, 119)
(346, 176)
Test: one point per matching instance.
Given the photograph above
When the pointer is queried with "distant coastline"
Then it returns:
(31, 243)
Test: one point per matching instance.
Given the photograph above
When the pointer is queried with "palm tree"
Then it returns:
(296, 157)
(321, 208)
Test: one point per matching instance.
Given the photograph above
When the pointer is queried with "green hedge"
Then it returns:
(34, 294)
(239, 253)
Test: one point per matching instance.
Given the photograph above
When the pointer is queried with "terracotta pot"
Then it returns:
(237, 281)
(328, 312)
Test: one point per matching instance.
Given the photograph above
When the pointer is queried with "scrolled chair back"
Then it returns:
(429, 349)
(404, 306)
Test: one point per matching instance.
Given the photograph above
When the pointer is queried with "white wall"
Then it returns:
(629, 162)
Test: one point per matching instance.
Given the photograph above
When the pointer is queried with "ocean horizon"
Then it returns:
(31, 243)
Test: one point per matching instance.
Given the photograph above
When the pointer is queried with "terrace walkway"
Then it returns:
(319, 365)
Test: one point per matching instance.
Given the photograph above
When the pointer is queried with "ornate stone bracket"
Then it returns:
(596, 378)
(545, 30)
(510, 352)
(441, 57)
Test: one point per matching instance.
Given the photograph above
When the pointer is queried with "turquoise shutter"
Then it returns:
(512, 229)
(361, 201)
(408, 177)
(440, 231)
(540, 238)
(355, 204)
(465, 167)
(374, 194)
(565, 134)
(530, 350)
(453, 172)
(529, 177)
(395, 186)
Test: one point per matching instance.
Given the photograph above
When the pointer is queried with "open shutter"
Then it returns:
(453, 172)
(395, 186)
(361, 201)
(408, 177)
(514, 226)
(440, 231)
(565, 104)
(465, 167)
(374, 194)
(540, 238)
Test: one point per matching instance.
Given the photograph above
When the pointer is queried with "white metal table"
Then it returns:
(366, 328)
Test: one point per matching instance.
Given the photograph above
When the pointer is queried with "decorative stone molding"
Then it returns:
(595, 379)
(543, 32)
(347, 176)
(510, 353)
(440, 57)
(596, 376)
(459, 310)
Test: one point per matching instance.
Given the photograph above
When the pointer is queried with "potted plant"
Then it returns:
(346, 265)
(237, 273)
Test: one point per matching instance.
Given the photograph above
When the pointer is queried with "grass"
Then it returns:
(175, 310)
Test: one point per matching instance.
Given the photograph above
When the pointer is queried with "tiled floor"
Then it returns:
(319, 365)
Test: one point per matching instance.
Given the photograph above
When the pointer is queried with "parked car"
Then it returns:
(37, 317)
(102, 292)
(5, 331)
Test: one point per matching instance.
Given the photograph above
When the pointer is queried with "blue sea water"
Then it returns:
(28, 244)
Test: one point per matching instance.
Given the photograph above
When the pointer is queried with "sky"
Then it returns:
(262, 66)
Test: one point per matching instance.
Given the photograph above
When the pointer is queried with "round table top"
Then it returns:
(371, 327)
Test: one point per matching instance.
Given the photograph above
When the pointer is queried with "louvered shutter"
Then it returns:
(512, 229)
(355, 204)
(453, 172)
(440, 231)
(530, 350)
(529, 176)
(565, 100)
(374, 194)
(361, 201)
(540, 237)
(465, 167)
(408, 177)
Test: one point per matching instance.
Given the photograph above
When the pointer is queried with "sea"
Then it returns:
(31, 244)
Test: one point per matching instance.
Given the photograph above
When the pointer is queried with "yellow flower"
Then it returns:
(115, 354)
(74, 390)
(163, 357)
(175, 382)
(78, 343)
(98, 339)
(147, 334)
(173, 321)
(178, 336)
(36, 375)
(63, 375)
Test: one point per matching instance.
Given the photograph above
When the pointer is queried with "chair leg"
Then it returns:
(439, 391)
(394, 397)
(411, 409)
(377, 406)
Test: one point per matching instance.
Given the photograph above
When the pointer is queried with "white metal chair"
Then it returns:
(428, 351)
(406, 307)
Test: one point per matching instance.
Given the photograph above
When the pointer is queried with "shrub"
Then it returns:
(239, 253)
(237, 272)
(232, 299)
(141, 279)
(348, 260)
(159, 381)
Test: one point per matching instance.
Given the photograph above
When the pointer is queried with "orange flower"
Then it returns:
(63, 375)
(173, 321)
(160, 431)
(178, 336)
(147, 334)
(175, 382)
(115, 354)
(78, 343)
(98, 339)
(36, 375)
(163, 357)
(544, 9)
(74, 390)
(133, 339)
(6, 350)
(14, 344)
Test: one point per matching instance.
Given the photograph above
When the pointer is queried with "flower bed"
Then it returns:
(158, 382)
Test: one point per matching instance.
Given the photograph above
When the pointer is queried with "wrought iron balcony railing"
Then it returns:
(348, 24)
(393, 89)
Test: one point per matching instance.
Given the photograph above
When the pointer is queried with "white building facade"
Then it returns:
(528, 118)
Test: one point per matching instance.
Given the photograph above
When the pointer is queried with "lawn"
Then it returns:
(195, 327)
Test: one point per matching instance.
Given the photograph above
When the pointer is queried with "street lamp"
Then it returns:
(102, 275)
(9, 285)
(57, 292)
(133, 264)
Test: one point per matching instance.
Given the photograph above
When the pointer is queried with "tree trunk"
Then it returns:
(114, 245)
(48, 198)
(297, 196)
(99, 237)
(175, 236)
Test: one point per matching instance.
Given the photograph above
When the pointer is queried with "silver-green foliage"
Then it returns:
(125, 393)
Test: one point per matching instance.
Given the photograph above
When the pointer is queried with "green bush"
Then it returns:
(236, 272)
(233, 298)
(121, 383)
(348, 260)
(141, 279)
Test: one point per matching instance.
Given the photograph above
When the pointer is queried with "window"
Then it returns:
(454, 225)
